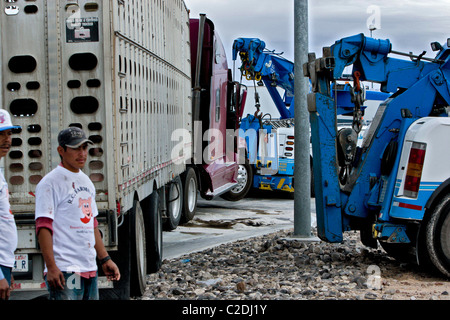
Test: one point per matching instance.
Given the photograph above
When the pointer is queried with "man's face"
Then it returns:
(5, 142)
(74, 159)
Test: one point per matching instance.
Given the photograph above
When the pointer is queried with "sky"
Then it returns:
(411, 25)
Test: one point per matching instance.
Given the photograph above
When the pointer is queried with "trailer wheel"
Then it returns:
(438, 237)
(245, 180)
(174, 205)
(190, 188)
(154, 233)
(131, 255)
(138, 267)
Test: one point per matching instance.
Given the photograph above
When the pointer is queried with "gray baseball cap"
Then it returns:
(72, 137)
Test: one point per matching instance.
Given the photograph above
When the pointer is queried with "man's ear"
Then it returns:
(60, 150)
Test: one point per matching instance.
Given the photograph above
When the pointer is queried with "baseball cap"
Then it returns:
(5, 121)
(72, 137)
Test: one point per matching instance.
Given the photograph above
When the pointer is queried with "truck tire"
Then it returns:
(138, 265)
(437, 238)
(174, 205)
(245, 181)
(154, 232)
(190, 194)
(130, 256)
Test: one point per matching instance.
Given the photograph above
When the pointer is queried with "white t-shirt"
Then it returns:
(68, 199)
(8, 230)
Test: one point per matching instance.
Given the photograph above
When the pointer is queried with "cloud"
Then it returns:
(411, 25)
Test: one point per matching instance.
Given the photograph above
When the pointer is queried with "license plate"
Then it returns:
(21, 263)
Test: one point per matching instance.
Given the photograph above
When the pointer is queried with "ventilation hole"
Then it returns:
(34, 128)
(95, 126)
(35, 153)
(16, 154)
(91, 7)
(96, 165)
(83, 61)
(78, 125)
(74, 84)
(11, 10)
(34, 141)
(22, 64)
(96, 152)
(13, 86)
(96, 139)
(35, 166)
(72, 8)
(31, 9)
(80, 105)
(93, 83)
(34, 179)
(23, 107)
(96, 177)
(16, 130)
(16, 180)
(33, 85)
(16, 167)
(16, 142)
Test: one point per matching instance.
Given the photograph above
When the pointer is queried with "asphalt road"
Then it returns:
(219, 221)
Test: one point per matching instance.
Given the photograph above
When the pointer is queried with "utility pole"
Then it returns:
(302, 175)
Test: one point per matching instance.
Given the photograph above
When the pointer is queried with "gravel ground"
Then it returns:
(275, 267)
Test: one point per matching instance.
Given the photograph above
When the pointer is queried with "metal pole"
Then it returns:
(302, 174)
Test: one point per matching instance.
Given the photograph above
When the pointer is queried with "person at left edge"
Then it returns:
(8, 229)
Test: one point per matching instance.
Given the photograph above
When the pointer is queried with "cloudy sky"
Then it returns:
(411, 25)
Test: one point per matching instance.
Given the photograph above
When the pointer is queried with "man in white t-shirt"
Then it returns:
(67, 227)
(8, 230)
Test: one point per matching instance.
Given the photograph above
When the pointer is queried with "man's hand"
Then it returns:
(111, 271)
(5, 290)
(55, 278)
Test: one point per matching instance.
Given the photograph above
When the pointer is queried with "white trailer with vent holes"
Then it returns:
(120, 70)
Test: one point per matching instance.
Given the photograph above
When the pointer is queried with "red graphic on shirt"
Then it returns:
(85, 205)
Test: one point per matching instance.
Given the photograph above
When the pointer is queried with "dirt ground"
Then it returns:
(413, 284)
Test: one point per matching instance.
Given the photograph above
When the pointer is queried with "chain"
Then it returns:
(357, 97)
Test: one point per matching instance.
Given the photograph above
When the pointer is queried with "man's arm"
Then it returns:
(55, 277)
(109, 267)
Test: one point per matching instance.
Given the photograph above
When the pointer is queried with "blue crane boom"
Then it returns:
(274, 70)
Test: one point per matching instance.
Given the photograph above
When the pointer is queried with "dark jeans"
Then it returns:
(76, 288)
(7, 273)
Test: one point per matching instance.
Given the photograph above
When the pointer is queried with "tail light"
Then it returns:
(118, 208)
(414, 170)
(289, 142)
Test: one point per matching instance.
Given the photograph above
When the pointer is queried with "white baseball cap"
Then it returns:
(5, 121)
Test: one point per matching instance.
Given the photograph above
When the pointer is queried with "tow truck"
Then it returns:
(269, 140)
(395, 188)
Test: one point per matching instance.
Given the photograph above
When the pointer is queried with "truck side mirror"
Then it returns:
(436, 46)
